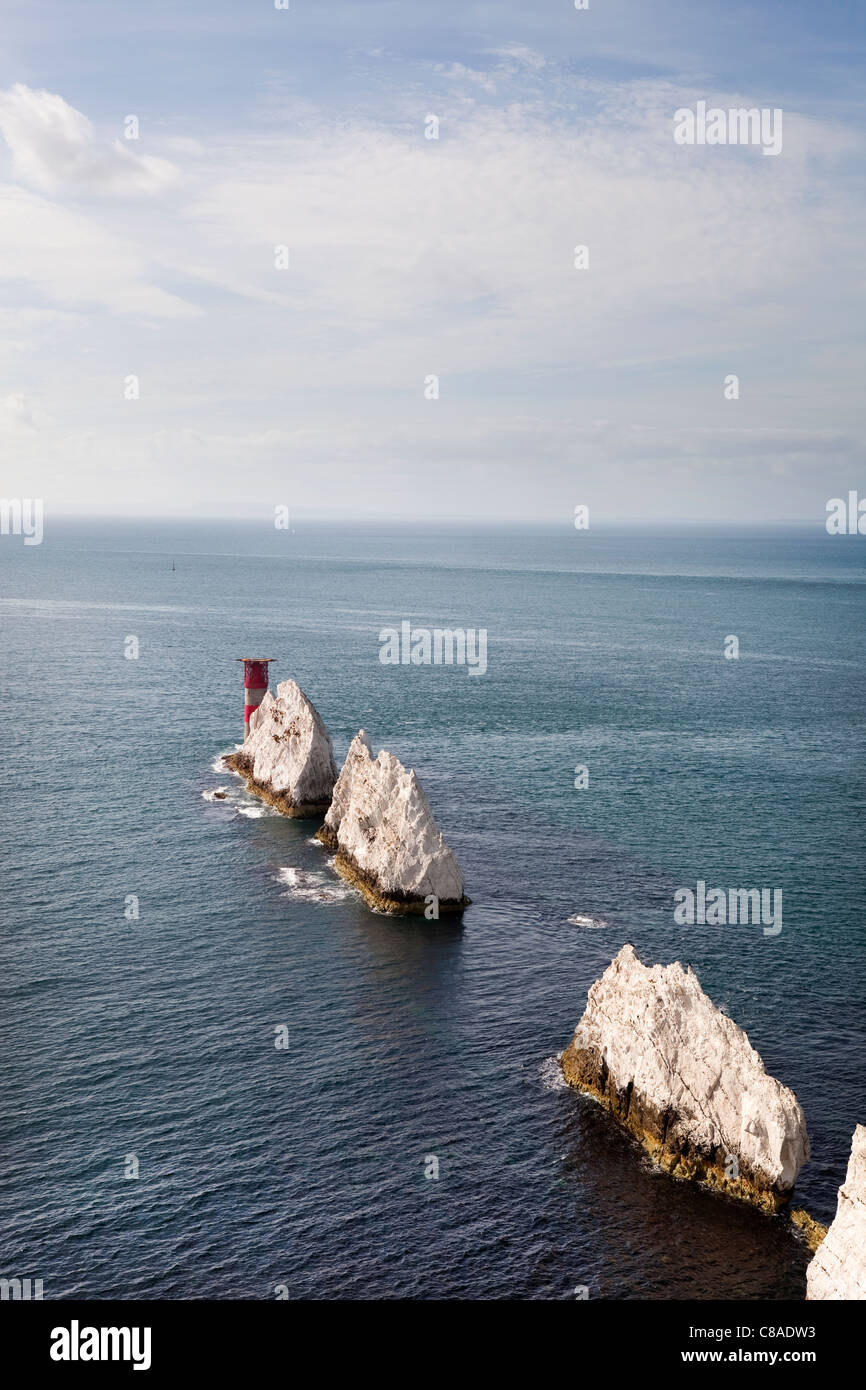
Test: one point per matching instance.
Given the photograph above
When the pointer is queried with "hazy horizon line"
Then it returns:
(418, 523)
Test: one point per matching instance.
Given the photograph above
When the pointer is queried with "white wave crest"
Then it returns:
(218, 794)
(308, 886)
(219, 766)
(551, 1075)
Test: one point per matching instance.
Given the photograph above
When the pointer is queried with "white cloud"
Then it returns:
(459, 72)
(69, 259)
(411, 256)
(454, 257)
(19, 413)
(515, 61)
(53, 146)
(519, 54)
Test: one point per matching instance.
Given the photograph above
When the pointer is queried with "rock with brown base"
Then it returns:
(287, 758)
(812, 1230)
(685, 1080)
(385, 839)
(838, 1270)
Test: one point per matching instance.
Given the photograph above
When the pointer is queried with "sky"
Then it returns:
(157, 360)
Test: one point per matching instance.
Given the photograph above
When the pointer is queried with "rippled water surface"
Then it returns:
(408, 1039)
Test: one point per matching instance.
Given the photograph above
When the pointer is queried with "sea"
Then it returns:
(225, 1077)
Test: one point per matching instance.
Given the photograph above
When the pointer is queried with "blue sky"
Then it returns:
(409, 257)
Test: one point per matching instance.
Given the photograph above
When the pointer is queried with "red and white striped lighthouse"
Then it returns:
(255, 684)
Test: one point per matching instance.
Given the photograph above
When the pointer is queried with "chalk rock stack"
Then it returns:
(838, 1269)
(287, 756)
(385, 839)
(685, 1080)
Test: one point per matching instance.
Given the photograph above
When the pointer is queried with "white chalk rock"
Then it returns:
(387, 841)
(838, 1267)
(687, 1082)
(287, 754)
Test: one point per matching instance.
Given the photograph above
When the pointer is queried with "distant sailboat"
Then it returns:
(173, 567)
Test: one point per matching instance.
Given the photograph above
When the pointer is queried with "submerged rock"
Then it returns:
(287, 758)
(838, 1270)
(686, 1081)
(385, 838)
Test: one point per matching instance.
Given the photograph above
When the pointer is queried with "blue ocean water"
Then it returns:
(408, 1040)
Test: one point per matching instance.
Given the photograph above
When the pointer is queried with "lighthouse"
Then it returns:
(255, 684)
